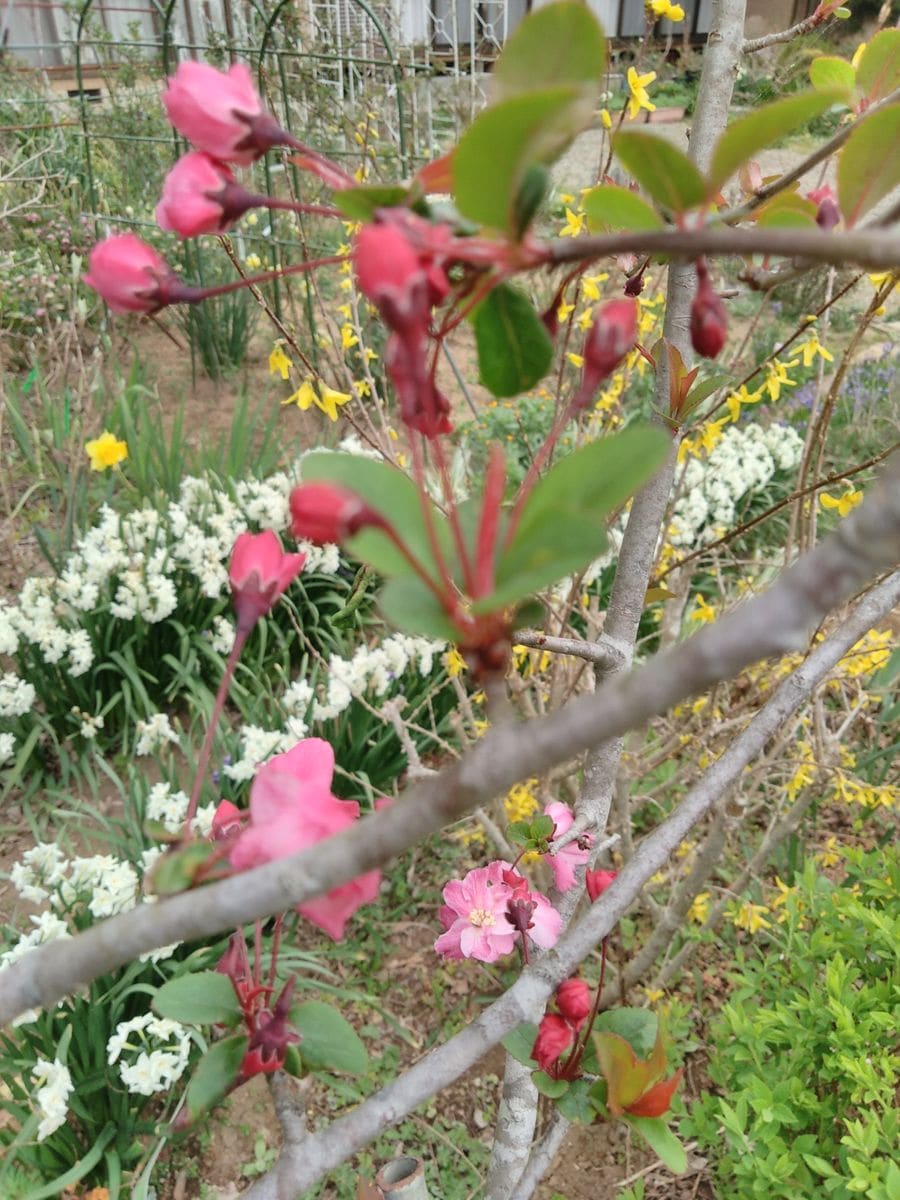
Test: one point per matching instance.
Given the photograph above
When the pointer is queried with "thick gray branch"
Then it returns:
(775, 622)
(442, 1066)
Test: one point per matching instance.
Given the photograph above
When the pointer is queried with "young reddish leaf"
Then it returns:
(627, 1077)
(878, 71)
(757, 131)
(662, 170)
(437, 175)
(657, 1100)
(868, 169)
(561, 43)
(610, 208)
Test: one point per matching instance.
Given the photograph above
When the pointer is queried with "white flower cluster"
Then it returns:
(16, 695)
(742, 462)
(170, 808)
(48, 927)
(52, 1098)
(152, 733)
(138, 565)
(372, 668)
(7, 748)
(162, 1048)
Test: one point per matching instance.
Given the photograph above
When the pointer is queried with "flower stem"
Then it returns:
(205, 750)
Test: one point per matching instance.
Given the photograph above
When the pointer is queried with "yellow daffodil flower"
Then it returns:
(279, 363)
(304, 397)
(329, 400)
(637, 86)
(106, 451)
(844, 504)
(574, 224)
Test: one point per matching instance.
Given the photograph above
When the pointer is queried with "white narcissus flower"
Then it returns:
(52, 1099)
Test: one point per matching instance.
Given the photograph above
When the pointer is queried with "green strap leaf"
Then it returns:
(663, 171)
(868, 169)
(514, 348)
(215, 1073)
(758, 130)
(504, 141)
(610, 208)
(831, 74)
(329, 1042)
(202, 998)
(878, 71)
(661, 1140)
(562, 43)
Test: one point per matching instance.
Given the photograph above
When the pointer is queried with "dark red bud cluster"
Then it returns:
(709, 321)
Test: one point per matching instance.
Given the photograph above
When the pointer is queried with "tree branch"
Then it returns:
(599, 652)
(780, 620)
(441, 1066)
(753, 45)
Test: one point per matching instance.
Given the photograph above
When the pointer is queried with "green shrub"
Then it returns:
(804, 1054)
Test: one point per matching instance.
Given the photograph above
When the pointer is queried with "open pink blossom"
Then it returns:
(291, 808)
(259, 573)
(221, 112)
(200, 195)
(130, 275)
(474, 916)
(564, 862)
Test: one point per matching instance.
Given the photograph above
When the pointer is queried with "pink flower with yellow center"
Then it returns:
(474, 916)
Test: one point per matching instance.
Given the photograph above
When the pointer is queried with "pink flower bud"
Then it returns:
(234, 962)
(555, 1036)
(200, 195)
(597, 882)
(221, 112)
(130, 275)
(391, 274)
(829, 214)
(709, 322)
(259, 573)
(227, 820)
(609, 339)
(575, 1001)
(322, 513)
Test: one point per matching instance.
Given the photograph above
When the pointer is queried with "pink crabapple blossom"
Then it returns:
(291, 808)
(565, 861)
(709, 322)
(200, 195)
(574, 1001)
(220, 112)
(555, 1036)
(474, 917)
(130, 275)
(597, 882)
(323, 513)
(259, 573)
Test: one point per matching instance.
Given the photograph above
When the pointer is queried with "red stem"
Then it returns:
(192, 295)
(206, 749)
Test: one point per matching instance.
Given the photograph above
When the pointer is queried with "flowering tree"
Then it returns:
(469, 572)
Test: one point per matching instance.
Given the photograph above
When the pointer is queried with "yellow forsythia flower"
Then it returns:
(329, 400)
(605, 118)
(574, 224)
(637, 86)
(699, 909)
(750, 917)
(666, 10)
(454, 662)
(844, 504)
(279, 363)
(702, 610)
(106, 451)
(304, 397)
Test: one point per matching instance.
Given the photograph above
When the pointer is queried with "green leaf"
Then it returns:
(514, 348)
(177, 869)
(562, 43)
(293, 1061)
(412, 607)
(638, 1026)
(562, 525)
(610, 208)
(758, 130)
(878, 71)
(789, 210)
(330, 1043)
(504, 141)
(663, 171)
(202, 998)
(703, 388)
(831, 74)
(215, 1073)
(390, 493)
(867, 169)
(576, 1104)
(542, 827)
(554, 1088)
(529, 198)
(519, 833)
(661, 1140)
(519, 1042)
(361, 203)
